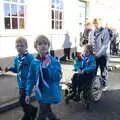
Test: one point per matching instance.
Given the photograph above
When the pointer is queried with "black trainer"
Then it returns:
(26, 117)
(34, 113)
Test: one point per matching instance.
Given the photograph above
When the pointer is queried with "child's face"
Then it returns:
(42, 47)
(97, 24)
(21, 47)
(86, 52)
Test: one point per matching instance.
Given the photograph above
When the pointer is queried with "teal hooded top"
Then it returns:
(46, 81)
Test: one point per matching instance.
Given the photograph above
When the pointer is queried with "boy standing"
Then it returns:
(100, 39)
(21, 67)
(45, 74)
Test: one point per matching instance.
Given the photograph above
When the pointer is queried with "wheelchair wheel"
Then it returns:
(96, 89)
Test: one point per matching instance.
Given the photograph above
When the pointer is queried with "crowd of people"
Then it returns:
(113, 34)
(43, 72)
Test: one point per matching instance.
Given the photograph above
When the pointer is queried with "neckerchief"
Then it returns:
(21, 59)
(40, 73)
(40, 58)
(97, 33)
(84, 60)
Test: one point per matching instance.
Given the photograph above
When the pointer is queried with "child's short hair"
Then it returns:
(21, 40)
(88, 23)
(90, 48)
(96, 20)
(41, 38)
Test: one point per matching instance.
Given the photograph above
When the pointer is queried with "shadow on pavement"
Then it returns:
(108, 108)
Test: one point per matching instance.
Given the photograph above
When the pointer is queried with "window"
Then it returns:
(14, 14)
(57, 7)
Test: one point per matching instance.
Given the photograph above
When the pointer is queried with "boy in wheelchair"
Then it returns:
(85, 67)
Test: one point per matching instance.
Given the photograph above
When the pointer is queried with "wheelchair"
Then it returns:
(86, 95)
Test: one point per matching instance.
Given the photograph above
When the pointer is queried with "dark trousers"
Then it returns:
(28, 109)
(102, 63)
(67, 52)
(81, 81)
(46, 112)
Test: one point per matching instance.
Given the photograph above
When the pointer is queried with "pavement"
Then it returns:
(9, 90)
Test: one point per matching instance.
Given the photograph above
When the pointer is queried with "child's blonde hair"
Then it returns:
(21, 40)
(90, 48)
(41, 38)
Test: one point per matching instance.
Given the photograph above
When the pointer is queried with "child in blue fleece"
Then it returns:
(45, 75)
(21, 67)
(85, 67)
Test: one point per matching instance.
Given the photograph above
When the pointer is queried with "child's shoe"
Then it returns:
(34, 114)
(69, 97)
(76, 98)
(26, 117)
(72, 95)
(1, 71)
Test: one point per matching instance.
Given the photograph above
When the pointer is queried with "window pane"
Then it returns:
(7, 9)
(53, 6)
(7, 22)
(57, 5)
(21, 10)
(60, 24)
(21, 23)
(56, 14)
(56, 24)
(53, 1)
(21, 1)
(60, 15)
(61, 5)
(52, 14)
(52, 24)
(7, 0)
(14, 10)
(57, 1)
(14, 23)
(14, 0)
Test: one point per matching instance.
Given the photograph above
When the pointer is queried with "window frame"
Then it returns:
(18, 17)
(56, 23)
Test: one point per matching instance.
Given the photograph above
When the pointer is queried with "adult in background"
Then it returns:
(88, 29)
(99, 38)
(67, 46)
(113, 45)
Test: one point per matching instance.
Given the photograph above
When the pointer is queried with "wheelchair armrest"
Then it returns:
(66, 83)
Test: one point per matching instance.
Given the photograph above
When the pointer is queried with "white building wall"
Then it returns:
(70, 26)
(74, 19)
(38, 22)
(108, 10)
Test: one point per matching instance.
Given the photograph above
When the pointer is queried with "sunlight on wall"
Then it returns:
(108, 10)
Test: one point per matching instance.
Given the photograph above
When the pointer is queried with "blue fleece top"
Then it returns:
(21, 67)
(86, 64)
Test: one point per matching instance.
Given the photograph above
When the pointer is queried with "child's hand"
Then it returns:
(27, 99)
(6, 69)
(80, 71)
